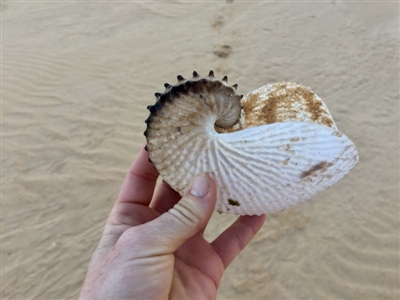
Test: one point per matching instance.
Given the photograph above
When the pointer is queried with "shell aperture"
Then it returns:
(274, 148)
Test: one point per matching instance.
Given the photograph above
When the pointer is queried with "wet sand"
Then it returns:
(76, 80)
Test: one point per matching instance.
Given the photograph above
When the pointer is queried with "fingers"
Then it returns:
(186, 218)
(234, 239)
(140, 181)
(164, 199)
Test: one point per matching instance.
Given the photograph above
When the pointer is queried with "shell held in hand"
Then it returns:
(269, 150)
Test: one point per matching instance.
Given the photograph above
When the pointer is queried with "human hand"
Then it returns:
(153, 247)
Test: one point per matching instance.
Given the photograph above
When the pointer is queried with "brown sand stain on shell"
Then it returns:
(322, 166)
(253, 116)
(314, 106)
(276, 98)
(281, 106)
(286, 161)
(338, 134)
(295, 139)
(233, 202)
(259, 112)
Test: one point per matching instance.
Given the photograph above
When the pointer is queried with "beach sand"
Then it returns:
(76, 80)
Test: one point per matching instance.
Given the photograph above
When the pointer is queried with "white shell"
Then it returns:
(257, 170)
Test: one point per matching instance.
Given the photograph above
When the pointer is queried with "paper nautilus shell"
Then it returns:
(271, 149)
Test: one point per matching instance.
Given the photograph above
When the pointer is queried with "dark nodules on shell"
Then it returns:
(196, 86)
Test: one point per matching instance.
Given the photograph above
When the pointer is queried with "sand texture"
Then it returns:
(76, 80)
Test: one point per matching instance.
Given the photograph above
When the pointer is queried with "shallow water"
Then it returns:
(77, 78)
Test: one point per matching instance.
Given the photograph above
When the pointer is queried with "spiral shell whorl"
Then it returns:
(185, 110)
(205, 95)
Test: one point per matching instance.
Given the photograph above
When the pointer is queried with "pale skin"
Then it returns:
(153, 247)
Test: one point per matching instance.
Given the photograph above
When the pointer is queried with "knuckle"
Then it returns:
(237, 240)
(186, 212)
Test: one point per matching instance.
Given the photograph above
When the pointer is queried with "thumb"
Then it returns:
(188, 216)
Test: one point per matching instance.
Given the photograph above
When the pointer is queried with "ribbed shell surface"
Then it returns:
(258, 168)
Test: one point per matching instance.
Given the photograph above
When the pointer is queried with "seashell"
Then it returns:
(267, 151)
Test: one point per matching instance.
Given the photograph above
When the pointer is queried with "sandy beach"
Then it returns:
(76, 80)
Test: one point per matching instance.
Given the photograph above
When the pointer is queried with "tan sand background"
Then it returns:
(77, 78)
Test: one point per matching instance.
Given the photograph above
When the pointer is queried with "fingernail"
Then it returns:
(200, 186)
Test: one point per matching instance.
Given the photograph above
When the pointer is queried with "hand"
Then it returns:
(153, 247)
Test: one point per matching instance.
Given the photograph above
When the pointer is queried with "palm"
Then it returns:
(197, 260)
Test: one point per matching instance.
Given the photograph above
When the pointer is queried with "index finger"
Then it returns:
(140, 181)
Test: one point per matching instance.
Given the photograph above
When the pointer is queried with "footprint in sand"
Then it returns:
(222, 51)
